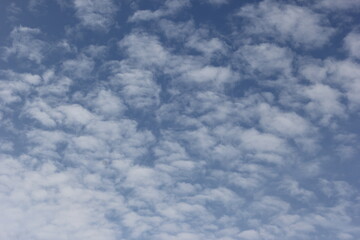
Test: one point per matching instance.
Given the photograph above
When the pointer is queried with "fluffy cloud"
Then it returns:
(352, 44)
(170, 7)
(94, 14)
(26, 45)
(144, 49)
(79, 68)
(325, 100)
(267, 59)
(44, 203)
(292, 24)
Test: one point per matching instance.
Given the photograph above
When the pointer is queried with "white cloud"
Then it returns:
(145, 49)
(287, 23)
(56, 85)
(254, 140)
(180, 236)
(199, 39)
(142, 176)
(170, 7)
(346, 74)
(249, 235)
(123, 136)
(6, 146)
(267, 59)
(25, 44)
(352, 44)
(96, 51)
(10, 91)
(313, 72)
(14, 87)
(79, 68)
(184, 29)
(68, 115)
(75, 114)
(217, 75)
(46, 204)
(222, 195)
(106, 103)
(246, 179)
(42, 112)
(172, 158)
(339, 4)
(96, 15)
(293, 188)
(13, 12)
(270, 205)
(341, 75)
(200, 140)
(88, 143)
(336, 189)
(138, 87)
(202, 42)
(287, 124)
(45, 143)
(146, 15)
(325, 102)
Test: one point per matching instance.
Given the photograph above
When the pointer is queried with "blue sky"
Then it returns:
(179, 120)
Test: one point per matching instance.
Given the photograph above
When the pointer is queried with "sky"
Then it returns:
(179, 119)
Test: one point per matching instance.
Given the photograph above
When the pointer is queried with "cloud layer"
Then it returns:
(179, 120)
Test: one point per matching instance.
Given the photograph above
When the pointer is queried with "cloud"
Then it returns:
(14, 86)
(345, 74)
(341, 74)
(75, 114)
(184, 29)
(50, 116)
(200, 42)
(325, 100)
(42, 112)
(144, 49)
(192, 38)
(96, 15)
(80, 68)
(25, 44)
(45, 203)
(209, 74)
(339, 5)
(287, 124)
(218, 2)
(336, 188)
(6, 146)
(293, 188)
(56, 85)
(249, 234)
(266, 59)
(106, 103)
(138, 87)
(263, 142)
(170, 7)
(352, 44)
(285, 23)
(13, 12)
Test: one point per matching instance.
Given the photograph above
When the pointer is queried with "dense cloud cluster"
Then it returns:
(179, 120)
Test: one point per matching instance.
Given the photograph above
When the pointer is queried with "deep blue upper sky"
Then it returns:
(179, 120)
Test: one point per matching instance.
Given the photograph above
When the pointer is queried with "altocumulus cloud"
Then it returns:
(179, 120)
